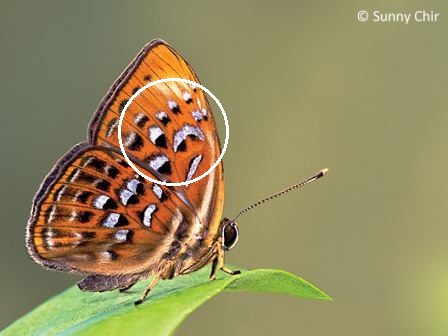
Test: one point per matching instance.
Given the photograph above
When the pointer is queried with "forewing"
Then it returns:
(94, 214)
(169, 129)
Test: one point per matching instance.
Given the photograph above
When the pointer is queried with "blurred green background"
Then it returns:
(305, 86)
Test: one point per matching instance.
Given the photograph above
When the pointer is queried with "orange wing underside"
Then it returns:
(91, 218)
(94, 214)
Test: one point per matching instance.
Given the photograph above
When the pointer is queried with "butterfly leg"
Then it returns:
(148, 289)
(163, 273)
(213, 270)
(221, 260)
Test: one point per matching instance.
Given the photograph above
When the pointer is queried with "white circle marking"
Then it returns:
(165, 80)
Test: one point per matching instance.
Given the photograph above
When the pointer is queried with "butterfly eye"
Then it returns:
(230, 235)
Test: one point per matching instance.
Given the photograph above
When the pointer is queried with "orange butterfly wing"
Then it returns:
(90, 216)
(171, 121)
(95, 215)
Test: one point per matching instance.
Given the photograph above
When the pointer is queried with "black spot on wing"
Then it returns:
(182, 147)
(122, 105)
(103, 185)
(83, 196)
(85, 216)
(165, 168)
(112, 171)
(134, 141)
(161, 141)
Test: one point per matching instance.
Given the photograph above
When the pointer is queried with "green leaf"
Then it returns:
(75, 312)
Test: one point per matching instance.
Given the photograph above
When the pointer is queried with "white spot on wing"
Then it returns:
(49, 241)
(197, 115)
(184, 132)
(186, 96)
(49, 236)
(193, 167)
(148, 214)
(111, 220)
(104, 256)
(50, 233)
(161, 115)
(73, 216)
(172, 105)
(158, 161)
(154, 133)
(77, 239)
(130, 139)
(121, 235)
(132, 185)
(157, 191)
(125, 195)
(100, 201)
(139, 117)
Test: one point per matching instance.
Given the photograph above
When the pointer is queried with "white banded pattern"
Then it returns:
(52, 214)
(157, 191)
(130, 139)
(99, 201)
(147, 215)
(111, 220)
(125, 195)
(154, 133)
(158, 161)
(173, 106)
(140, 119)
(187, 130)
(132, 185)
(61, 193)
(122, 235)
(187, 97)
(75, 175)
(193, 167)
(113, 125)
(49, 235)
(197, 115)
(161, 115)
(107, 255)
(128, 194)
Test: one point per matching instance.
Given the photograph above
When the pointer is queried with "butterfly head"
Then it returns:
(229, 233)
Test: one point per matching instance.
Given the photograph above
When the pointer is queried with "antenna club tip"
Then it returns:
(324, 171)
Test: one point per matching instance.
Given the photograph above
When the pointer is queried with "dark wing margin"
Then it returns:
(54, 175)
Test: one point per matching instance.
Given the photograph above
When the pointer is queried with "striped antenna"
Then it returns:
(280, 193)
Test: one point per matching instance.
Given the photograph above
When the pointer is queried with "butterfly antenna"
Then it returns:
(285, 191)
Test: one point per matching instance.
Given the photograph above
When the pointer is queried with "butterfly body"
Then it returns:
(96, 216)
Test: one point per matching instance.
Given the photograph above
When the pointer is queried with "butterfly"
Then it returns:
(94, 215)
